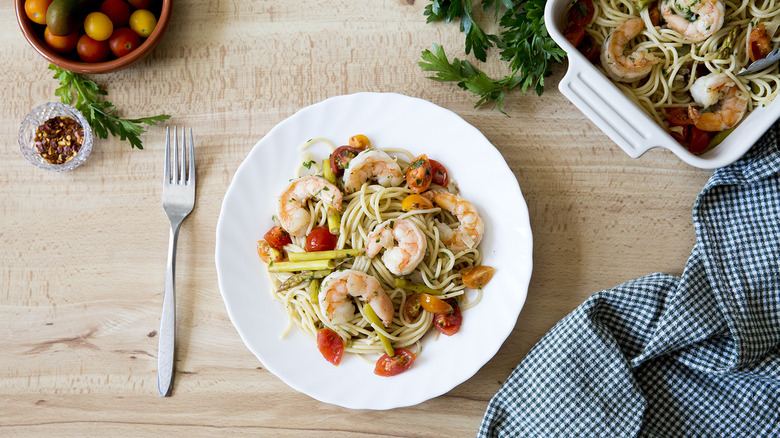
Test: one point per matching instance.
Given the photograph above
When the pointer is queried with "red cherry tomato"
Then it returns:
(419, 175)
(759, 44)
(60, 44)
(320, 239)
(140, 4)
(330, 345)
(450, 323)
(699, 140)
(277, 237)
(340, 157)
(118, 11)
(399, 362)
(439, 172)
(123, 41)
(574, 34)
(581, 12)
(680, 133)
(678, 116)
(90, 50)
(589, 48)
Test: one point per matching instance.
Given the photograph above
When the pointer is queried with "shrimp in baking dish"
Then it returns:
(470, 228)
(404, 245)
(620, 66)
(293, 215)
(695, 20)
(372, 164)
(339, 286)
(717, 92)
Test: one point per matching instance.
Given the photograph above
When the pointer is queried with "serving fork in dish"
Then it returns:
(178, 202)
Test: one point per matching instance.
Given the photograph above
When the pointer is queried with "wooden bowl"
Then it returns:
(33, 33)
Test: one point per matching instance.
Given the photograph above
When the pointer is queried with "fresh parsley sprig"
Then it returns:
(100, 113)
(523, 43)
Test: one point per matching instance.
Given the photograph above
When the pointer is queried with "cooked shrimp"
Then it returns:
(372, 164)
(340, 285)
(470, 229)
(695, 20)
(724, 102)
(402, 258)
(293, 215)
(622, 67)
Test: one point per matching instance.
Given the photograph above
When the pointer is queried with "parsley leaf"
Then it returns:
(100, 113)
(524, 45)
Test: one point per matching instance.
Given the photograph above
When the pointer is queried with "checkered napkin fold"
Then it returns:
(667, 356)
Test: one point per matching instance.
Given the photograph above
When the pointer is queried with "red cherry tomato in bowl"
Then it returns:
(277, 237)
(399, 362)
(320, 239)
(60, 44)
(330, 345)
(117, 10)
(90, 50)
(123, 41)
(140, 4)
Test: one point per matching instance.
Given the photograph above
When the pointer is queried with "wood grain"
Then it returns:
(83, 253)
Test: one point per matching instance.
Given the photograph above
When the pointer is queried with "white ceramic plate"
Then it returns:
(389, 120)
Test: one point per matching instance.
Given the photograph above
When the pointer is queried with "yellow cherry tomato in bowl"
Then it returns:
(98, 26)
(143, 22)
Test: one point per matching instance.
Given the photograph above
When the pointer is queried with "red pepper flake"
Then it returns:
(59, 139)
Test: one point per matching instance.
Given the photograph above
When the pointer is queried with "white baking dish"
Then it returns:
(626, 124)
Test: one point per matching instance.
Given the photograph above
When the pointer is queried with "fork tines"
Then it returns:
(184, 170)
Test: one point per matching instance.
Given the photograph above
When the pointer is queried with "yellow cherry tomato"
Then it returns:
(98, 26)
(359, 141)
(36, 10)
(143, 22)
(416, 202)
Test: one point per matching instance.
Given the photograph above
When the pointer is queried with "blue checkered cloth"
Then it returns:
(667, 356)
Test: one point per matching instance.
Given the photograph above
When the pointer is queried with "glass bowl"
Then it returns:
(35, 118)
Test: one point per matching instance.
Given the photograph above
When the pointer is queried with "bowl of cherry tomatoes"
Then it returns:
(93, 36)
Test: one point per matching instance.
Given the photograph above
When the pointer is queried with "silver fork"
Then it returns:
(178, 201)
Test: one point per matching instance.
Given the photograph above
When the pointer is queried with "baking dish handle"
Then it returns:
(593, 94)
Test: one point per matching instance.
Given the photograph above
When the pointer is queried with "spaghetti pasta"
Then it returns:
(439, 269)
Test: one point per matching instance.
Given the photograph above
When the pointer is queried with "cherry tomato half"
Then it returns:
(399, 362)
(416, 202)
(277, 237)
(320, 239)
(589, 48)
(330, 345)
(60, 44)
(412, 307)
(123, 41)
(699, 140)
(574, 34)
(268, 253)
(439, 172)
(36, 10)
(758, 43)
(678, 116)
(419, 175)
(450, 323)
(117, 10)
(90, 50)
(340, 157)
(477, 276)
(359, 141)
(581, 12)
(434, 304)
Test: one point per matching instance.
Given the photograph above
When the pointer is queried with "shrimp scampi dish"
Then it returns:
(680, 60)
(370, 250)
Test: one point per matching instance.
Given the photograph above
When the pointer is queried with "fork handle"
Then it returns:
(165, 351)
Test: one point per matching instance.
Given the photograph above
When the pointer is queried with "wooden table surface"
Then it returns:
(83, 253)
